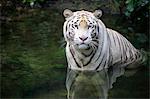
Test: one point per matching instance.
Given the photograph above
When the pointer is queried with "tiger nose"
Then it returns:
(83, 38)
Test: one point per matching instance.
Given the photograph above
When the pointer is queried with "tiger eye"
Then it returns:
(76, 26)
(89, 26)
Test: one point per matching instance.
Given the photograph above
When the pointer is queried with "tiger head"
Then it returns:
(81, 28)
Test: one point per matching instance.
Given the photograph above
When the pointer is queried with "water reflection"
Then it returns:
(91, 84)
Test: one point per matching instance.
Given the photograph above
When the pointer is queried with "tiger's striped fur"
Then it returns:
(92, 46)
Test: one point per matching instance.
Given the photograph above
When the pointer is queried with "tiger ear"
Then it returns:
(97, 13)
(67, 13)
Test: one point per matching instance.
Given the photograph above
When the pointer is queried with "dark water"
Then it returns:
(104, 84)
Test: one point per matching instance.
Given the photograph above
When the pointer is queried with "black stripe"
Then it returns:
(130, 48)
(123, 48)
(96, 41)
(139, 55)
(67, 26)
(95, 45)
(119, 46)
(126, 46)
(98, 27)
(74, 58)
(113, 37)
(110, 57)
(100, 62)
(136, 57)
(99, 54)
(104, 64)
(131, 55)
(90, 59)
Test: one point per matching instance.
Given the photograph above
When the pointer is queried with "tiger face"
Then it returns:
(80, 28)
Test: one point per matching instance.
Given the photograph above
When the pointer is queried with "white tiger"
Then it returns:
(92, 46)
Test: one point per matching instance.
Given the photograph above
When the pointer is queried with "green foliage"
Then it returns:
(131, 5)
